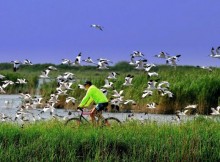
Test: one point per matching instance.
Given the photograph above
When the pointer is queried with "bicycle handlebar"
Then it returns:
(79, 108)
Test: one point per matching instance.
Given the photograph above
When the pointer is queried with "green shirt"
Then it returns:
(93, 94)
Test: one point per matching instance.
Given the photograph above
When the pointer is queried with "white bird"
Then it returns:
(128, 80)
(178, 112)
(70, 99)
(117, 101)
(148, 67)
(80, 86)
(77, 61)
(66, 62)
(7, 83)
(152, 84)
(21, 81)
(112, 75)
(150, 74)
(147, 93)
(165, 92)
(205, 68)
(16, 65)
(215, 111)
(27, 62)
(137, 54)
(45, 73)
(129, 101)
(52, 68)
(59, 91)
(105, 60)
(152, 105)
(2, 90)
(38, 101)
(89, 60)
(108, 84)
(102, 65)
(162, 55)
(26, 97)
(67, 76)
(191, 106)
(215, 54)
(132, 62)
(2, 76)
(163, 85)
(104, 91)
(140, 64)
(53, 98)
(176, 118)
(172, 60)
(97, 26)
(117, 94)
(49, 107)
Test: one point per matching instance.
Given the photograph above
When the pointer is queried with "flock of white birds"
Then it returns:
(66, 80)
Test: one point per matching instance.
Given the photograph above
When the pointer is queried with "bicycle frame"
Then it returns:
(106, 121)
(81, 115)
(98, 115)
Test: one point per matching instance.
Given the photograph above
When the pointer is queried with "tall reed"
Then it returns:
(51, 141)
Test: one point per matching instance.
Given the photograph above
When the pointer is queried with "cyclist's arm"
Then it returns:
(89, 102)
(85, 99)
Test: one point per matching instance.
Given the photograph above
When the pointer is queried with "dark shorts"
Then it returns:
(101, 106)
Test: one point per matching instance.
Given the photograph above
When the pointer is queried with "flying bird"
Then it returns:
(16, 65)
(128, 80)
(215, 53)
(77, 60)
(137, 54)
(27, 62)
(89, 60)
(99, 27)
(112, 75)
(162, 55)
(205, 68)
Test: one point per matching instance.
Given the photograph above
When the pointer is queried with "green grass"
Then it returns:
(190, 85)
(196, 140)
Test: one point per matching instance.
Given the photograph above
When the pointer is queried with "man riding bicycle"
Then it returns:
(96, 95)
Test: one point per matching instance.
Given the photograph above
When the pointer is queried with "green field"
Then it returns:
(190, 85)
(196, 140)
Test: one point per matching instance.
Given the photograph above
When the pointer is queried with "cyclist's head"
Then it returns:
(87, 84)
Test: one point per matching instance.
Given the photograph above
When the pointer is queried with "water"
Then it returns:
(10, 101)
(9, 105)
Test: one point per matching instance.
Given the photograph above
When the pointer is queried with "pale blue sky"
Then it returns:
(45, 31)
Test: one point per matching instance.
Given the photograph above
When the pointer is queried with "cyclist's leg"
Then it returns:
(92, 114)
(97, 111)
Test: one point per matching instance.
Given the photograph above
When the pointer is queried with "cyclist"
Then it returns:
(96, 95)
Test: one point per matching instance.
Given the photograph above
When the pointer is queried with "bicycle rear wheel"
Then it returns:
(112, 121)
(73, 122)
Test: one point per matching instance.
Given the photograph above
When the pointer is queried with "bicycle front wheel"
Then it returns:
(112, 121)
(73, 122)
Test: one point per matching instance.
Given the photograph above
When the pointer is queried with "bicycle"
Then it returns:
(76, 121)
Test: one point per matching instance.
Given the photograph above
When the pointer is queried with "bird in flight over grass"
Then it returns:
(205, 68)
(89, 60)
(152, 105)
(27, 62)
(16, 65)
(77, 60)
(191, 107)
(215, 111)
